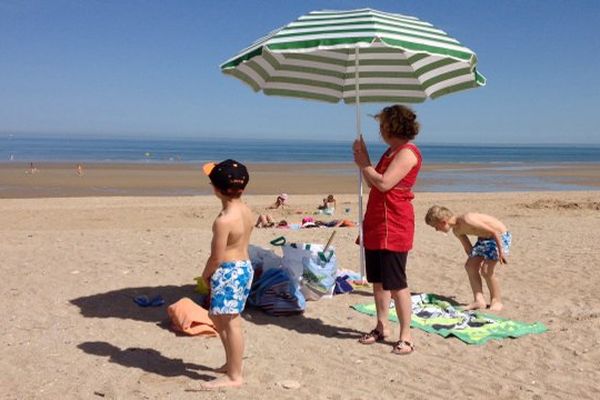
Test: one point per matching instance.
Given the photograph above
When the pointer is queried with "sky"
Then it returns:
(150, 69)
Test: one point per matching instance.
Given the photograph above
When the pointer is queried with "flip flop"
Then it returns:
(372, 337)
(403, 347)
(145, 301)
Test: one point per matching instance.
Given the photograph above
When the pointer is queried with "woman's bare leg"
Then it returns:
(382, 305)
(404, 312)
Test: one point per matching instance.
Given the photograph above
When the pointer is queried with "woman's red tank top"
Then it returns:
(389, 222)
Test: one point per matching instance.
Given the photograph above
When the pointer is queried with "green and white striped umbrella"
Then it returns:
(358, 55)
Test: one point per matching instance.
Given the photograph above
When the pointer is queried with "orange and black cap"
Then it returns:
(228, 175)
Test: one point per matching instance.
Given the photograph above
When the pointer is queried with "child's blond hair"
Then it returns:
(436, 214)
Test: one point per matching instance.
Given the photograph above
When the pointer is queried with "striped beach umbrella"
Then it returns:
(356, 56)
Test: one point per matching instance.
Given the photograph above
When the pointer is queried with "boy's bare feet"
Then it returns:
(475, 306)
(225, 381)
(496, 305)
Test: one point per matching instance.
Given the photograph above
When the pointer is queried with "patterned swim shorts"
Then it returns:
(230, 287)
(488, 249)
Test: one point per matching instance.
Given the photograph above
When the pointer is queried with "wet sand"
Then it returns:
(62, 180)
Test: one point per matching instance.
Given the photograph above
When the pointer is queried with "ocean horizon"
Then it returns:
(484, 168)
(30, 148)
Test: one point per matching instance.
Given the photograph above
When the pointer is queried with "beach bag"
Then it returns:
(277, 293)
(313, 266)
(263, 258)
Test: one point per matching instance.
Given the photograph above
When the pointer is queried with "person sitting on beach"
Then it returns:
(264, 221)
(328, 206)
(228, 271)
(32, 169)
(279, 202)
(492, 246)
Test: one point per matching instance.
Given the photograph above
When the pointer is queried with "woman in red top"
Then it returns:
(388, 227)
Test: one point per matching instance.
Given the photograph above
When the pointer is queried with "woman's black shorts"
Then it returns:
(386, 267)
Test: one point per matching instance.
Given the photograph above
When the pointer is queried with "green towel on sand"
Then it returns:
(434, 315)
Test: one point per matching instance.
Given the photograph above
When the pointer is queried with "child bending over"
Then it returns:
(492, 246)
(228, 270)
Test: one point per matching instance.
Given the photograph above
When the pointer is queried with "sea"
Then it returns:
(494, 167)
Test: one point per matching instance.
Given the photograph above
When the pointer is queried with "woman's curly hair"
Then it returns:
(398, 121)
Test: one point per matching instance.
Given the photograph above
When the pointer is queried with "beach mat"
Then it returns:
(434, 315)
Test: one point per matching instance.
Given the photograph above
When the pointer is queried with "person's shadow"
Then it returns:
(120, 303)
(148, 360)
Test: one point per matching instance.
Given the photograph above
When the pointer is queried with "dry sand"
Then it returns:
(71, 266)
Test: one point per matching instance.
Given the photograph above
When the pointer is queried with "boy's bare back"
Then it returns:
(480, 225)
(234, 224)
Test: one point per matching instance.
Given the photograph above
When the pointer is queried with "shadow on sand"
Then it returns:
(301, 324)
(119, 304)
(148, 360)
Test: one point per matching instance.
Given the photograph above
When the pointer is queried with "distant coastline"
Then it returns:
(22, 148)
(53, 179)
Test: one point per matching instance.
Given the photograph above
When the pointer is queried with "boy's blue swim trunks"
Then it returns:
(230, 287)
(488, 249)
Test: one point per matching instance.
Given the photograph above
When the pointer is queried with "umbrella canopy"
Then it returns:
(358, 55)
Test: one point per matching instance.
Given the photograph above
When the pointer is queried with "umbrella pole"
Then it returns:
(360, 177)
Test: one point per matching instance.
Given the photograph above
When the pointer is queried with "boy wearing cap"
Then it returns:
(228, 270)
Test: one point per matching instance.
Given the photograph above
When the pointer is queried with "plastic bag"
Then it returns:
(311, 265)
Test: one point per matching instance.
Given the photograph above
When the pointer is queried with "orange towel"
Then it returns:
(188, 317)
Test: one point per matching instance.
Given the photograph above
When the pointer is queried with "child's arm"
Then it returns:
(466, 243)
(217, 248)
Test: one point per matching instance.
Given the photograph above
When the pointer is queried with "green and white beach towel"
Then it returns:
(434, 315)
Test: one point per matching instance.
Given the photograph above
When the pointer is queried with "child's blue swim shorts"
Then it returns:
(230, 287)
(488, 249)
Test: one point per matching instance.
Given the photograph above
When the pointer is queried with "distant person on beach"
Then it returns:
(328, 205)
(264, 221)
(388, 225)
(280, 201)
(79, 170)
(492, 246)
(32, 169)
(228, 271)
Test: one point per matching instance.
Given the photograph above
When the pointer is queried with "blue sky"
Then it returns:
(151, 69)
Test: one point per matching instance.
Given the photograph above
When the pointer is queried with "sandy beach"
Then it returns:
(71, 267)
(158, 179)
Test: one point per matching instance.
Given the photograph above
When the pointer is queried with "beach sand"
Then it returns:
(70, 267)
(103, 179)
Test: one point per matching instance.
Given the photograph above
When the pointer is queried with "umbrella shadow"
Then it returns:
(301, 324)
(148, 360)
(119, 303)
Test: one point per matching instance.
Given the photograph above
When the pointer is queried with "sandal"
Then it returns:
(402, 347)
(372, 337)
